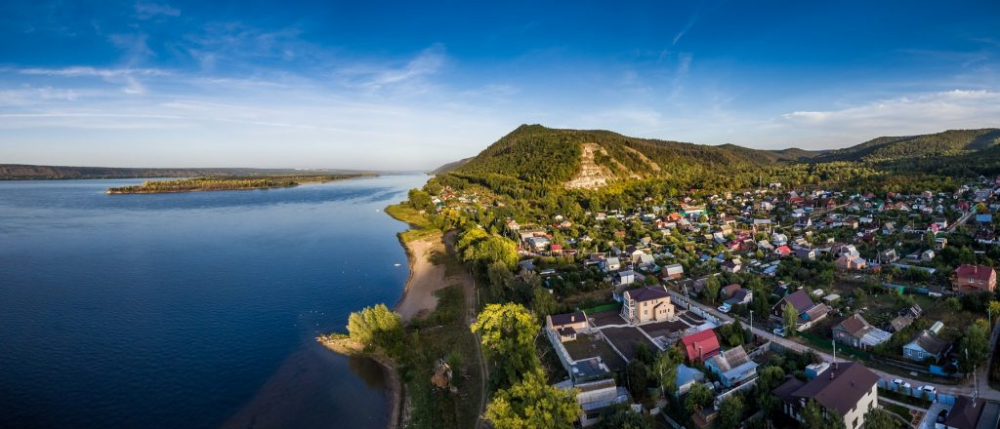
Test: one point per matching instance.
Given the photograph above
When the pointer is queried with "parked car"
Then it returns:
(901, 383)
(928, 388)
(779, 332)
(725, 308)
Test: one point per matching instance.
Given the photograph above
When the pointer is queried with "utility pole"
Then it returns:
(834, 344)
(752, 336)
(975, 380)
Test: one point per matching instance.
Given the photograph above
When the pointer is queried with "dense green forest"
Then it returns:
(225, 183)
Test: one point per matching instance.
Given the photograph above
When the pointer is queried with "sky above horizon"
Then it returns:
(413, 85)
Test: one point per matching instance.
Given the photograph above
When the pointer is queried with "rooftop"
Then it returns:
(840, 387)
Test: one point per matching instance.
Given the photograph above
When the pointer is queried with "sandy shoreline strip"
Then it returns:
(425, 277)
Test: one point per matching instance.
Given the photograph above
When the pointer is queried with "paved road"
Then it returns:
(965, 389)
(960, 221)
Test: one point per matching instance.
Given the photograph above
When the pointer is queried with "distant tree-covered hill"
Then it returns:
(948, 143)
(38, 172)
(451, 166)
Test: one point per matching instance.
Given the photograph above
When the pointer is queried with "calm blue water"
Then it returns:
(192, 310)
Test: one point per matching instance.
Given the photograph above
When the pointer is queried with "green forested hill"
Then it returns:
(535, 162)
(948, 143)
(552, 157)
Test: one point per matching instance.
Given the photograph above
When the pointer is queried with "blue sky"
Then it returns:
(411, 85)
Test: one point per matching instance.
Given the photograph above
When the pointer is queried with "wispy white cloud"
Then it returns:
(147, 10)
(680, 34)
(127, 78)
(412, 74)
(905, 115)
(77, 71)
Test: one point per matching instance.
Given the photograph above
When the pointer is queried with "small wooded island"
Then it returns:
(229, 183)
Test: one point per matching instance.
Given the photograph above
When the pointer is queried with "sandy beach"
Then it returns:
(426, 277)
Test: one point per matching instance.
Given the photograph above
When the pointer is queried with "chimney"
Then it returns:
(833, 373)
(572, 318)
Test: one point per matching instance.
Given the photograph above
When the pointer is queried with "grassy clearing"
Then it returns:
(443, 334)
(420, 225)
(451, 266)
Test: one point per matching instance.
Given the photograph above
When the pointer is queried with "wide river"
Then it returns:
(194, 310)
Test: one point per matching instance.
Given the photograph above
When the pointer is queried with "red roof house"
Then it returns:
(701, 346)
(975, 278)
(783, 251)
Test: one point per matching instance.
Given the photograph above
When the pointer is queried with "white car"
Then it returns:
(901, 383)
(928, 388)
(725, 308)
(779, 332)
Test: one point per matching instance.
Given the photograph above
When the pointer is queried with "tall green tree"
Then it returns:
(791, 318)
(697, 398)
(975, 340)
(532, 403)
(712, 287)
(665, 369)
(543, 303)
(731, 411)
(420, 200)
(508, 335)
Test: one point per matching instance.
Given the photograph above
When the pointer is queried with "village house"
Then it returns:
(568, 325)
(850, 263)
(974, 278)
(856, 332)
(624, 277)
(927, 345)
(847, 389)
(611, 264)
(700, 346)
(674, 271)
(808, 311)
(970, 413)
(732, 266)
(645, 305)
(733, 367)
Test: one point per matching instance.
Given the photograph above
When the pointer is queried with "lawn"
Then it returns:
(626, 340)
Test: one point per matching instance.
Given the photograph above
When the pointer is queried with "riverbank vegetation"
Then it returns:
(226, 183)
(435, 358)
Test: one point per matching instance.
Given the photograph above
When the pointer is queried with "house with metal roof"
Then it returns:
(855, 331)
(733, 367)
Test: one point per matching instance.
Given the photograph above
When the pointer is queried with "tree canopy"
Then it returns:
(508, 336)
(532, 403)
(377, 326)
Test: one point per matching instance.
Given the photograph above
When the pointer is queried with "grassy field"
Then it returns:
(445, 335)
(420, 226)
